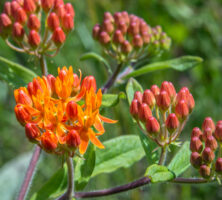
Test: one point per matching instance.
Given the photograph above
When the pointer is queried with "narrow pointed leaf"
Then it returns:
(180, 64)
(15, 74)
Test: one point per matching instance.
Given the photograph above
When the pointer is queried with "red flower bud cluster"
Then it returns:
(127, 37)
(162, 111)
(204, 143)
(20, 23)
(53, 117)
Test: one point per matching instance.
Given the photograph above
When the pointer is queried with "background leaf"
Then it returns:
(84, 168)
(180, 64)
(159, 173)
(92, 55)
(54, 185)
(110, 100)
(119, 152)
(181, 161)
(131, 87)
(15, 74)
(12, 175)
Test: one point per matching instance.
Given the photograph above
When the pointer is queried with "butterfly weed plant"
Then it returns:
(61, 114)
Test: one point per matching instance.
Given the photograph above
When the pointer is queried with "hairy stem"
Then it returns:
(163, 156)
(29, 173)
(112, 79)
(130, 186)
(70, 190)
(43, 65)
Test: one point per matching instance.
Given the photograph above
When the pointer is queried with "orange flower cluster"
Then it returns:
(21, 23)
(204, 144)
(61, 113)
(161, 112)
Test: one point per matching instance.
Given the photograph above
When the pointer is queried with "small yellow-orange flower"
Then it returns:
(61, 114)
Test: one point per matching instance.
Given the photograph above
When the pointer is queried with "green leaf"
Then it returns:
(12, 174)
(119, 152)
(159, 173)
(110, 100)
(15, 74)
(149, 146)
(179, 64)
(131, 87)
(84, 168)
(181, 160)
(92, 55)
(54, 185)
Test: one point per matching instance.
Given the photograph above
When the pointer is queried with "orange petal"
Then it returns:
(107, 120)
(83, 146)
(98, 125)
(95, 140)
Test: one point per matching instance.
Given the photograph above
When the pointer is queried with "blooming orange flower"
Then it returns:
(61, 113)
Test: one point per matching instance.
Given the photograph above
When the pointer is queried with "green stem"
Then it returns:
(163, 156)
(43, 65)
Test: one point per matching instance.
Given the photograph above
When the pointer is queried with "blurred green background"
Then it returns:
(195, 27)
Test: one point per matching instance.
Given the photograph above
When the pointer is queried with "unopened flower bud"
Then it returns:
(51, 81)
(182, 110)
(14, 7)
(108, 16)
(155, 90)
(218, 132)
(104, 38)
(32, 132)
(163, 100)
(144, 112)
(76, 81)
(49, 141)
(18, 31)
(73, 139)
(22, 114)
(47, 4)
(107, 26)
(20, 2)
(139, 96)
(89, 82)
(196, 132)
(118, 37)
(7, 8)
(152, 125)
(126, 47)
(72, 110)
(208, 123)
(183, 94)
(69, 9)
(191, 102)
(169, 88)
(172, 122)
(5, 21)
(205, 171)
(22, 96)
(34, 38)
(206, 133)
(137, 41)
(30, 88)
(58, 36)
(134, 28)
(33, 22)
(125, 17)
(122, 27)
(96, 31)
(60, 11)
(146, 37)
(53, 21)
(67, 22)
(211, 143)
(144, 27)
(58, 3)
(196, 145)
(118, 17)
(29, 6)
(20, 16)
(208, 155)
(196, 159)
(148, 98)
(218, 166)
(219, 122)
(134, 108)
